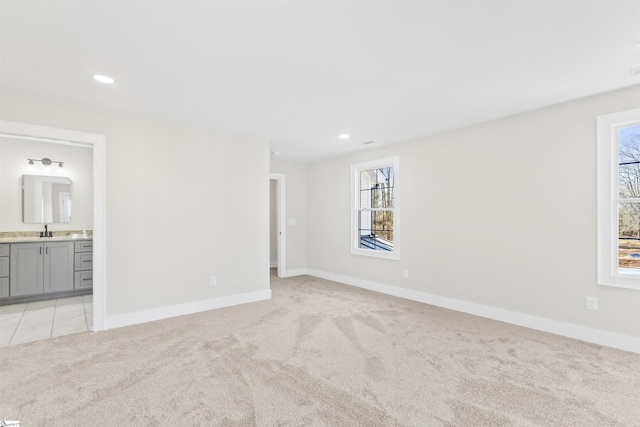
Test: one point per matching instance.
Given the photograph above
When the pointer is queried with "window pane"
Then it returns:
(629, 162)
(629, 235)
(382, 198)
(376, 188)
(376, 230)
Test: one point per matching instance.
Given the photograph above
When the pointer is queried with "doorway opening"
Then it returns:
(277, 251)
(97, 143)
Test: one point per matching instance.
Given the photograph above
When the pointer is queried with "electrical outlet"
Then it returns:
(405, 274)
(212, 281)
(592, 303)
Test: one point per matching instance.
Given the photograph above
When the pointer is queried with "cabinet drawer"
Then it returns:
(4, 287)
(83, 280)
(4, 249)
(84, 246)
(4, 266)
(84, 261)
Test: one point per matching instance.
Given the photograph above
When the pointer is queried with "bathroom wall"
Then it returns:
(78, 165)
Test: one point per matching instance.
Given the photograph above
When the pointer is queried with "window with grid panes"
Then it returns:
(619, 199)
(375, 208)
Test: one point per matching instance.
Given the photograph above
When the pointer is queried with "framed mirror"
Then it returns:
(46, 199)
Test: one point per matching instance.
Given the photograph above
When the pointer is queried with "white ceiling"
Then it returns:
(300, 72)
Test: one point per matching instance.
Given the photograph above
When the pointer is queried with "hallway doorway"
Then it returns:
(277, 235)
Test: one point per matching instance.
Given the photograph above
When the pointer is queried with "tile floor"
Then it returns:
(33, 321)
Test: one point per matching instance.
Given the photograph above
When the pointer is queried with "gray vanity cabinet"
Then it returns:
(38, 268)
(27, 266)
(4, 270)
(84, 265)
(58, 266)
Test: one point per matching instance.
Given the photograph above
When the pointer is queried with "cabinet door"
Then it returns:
(4, 287)
(4, 266)
(58, 266)
(27, 264)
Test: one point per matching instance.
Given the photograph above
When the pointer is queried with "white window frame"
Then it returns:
(355, 207)
(609, 274)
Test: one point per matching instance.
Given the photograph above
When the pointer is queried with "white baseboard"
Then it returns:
(591, 335)
(295, 272)
(144, 316)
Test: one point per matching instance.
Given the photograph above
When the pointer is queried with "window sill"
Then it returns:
(625, 278)
(376, 254)
(629, 272)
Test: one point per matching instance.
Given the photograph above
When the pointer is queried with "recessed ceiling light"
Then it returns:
(343, 136)
(103, 79)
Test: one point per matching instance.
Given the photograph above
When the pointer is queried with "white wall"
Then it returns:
(78, 166)
(296, 194)
(181, 204)
(501, 214)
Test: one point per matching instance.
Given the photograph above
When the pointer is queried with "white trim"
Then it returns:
(294, 272)
(127, 319)
(355, 197)
(591, 335)
(97, 142)
(273, 264)
(607, 188)
(282, 229)
(48, 134)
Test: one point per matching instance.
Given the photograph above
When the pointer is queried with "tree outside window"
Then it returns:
(629, 197)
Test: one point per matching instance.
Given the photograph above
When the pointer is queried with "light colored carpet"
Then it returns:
(319, 353)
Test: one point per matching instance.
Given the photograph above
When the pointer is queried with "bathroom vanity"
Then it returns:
(34, 268)
(39, 265)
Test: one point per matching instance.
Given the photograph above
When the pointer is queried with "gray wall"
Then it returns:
(501, 214)
(182, 204)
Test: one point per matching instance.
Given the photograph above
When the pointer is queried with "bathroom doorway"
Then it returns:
(96, 143)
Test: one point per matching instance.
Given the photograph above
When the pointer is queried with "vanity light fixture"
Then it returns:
(46, 162)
